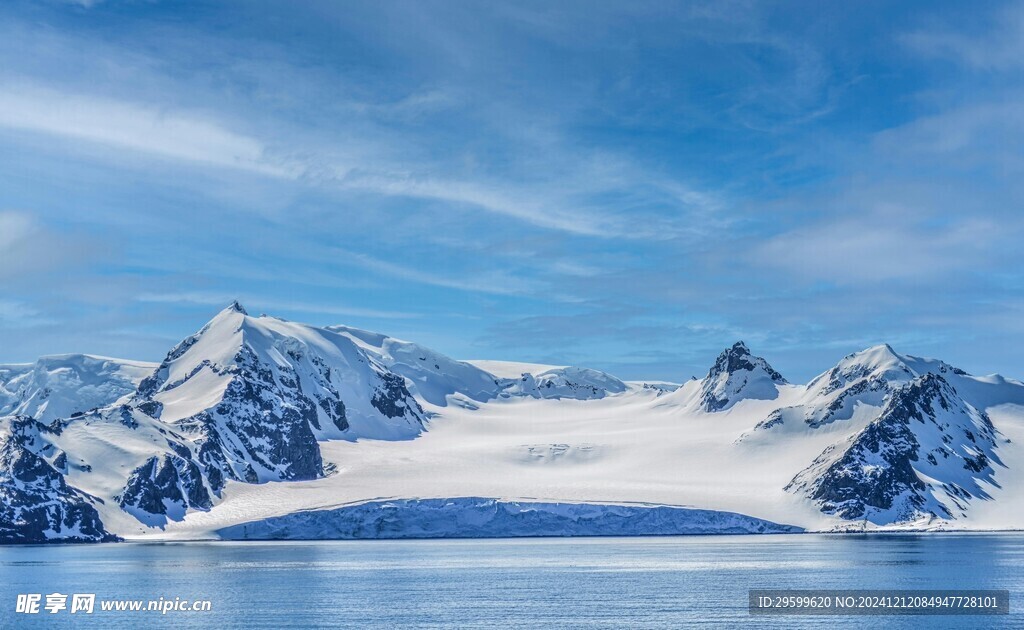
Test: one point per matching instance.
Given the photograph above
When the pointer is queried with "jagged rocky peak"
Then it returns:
(737, 374)
(738, 358)
(257, 393)
(926, 456)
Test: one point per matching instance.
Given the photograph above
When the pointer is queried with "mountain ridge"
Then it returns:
(248, 407)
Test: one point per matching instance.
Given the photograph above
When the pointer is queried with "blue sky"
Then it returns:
(627, 186)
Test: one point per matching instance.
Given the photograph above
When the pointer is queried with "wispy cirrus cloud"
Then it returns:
(214, 299)
(495, 282)
(995, 45)
(201, 141)
(132, 126)
(880, 245)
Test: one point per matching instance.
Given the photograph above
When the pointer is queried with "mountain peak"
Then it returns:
(882, 351)
(878, 364)
(880, 356)
(236, 307)
(738, 374)
(739, 359)
(926, 455)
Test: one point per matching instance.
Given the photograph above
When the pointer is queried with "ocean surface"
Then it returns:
(670, 582)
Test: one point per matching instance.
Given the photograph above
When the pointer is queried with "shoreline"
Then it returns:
(186, 541)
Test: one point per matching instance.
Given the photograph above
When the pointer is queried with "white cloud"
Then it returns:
(15, 313)
(15, 228)
(132, 126)
(223, 299)
(960, 137)
(487, 198)
(497, 283)
(1001, 47)
(878, 245)
(179, 135)
(646, 206)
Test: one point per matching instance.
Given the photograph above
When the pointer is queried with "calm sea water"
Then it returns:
(598, 582)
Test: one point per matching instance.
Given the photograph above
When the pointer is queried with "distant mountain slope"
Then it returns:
(58, 386)
(551, 381)
(568, 382)
(431, 375)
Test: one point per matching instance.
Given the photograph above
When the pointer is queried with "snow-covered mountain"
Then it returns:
(58, 386)
(867, 378)
(256, 425)
(245, 399)
(926, 456)
(429, 374)
(252, 397)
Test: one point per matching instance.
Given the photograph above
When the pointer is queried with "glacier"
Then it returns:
(477, 517)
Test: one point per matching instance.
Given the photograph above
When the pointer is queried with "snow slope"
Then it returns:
(430, 375)
(619, 449)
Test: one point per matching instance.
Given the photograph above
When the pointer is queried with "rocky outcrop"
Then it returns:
(36, 503)
(921, 458)
(736, 375)
(168, 485)
(261, 429)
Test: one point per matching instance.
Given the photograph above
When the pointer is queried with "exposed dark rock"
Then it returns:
(166, 480)
(269, 421)
(151, 408)
(735, 375)
(738, 358)
(36, 503)
(874, 475)
(393, 399)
